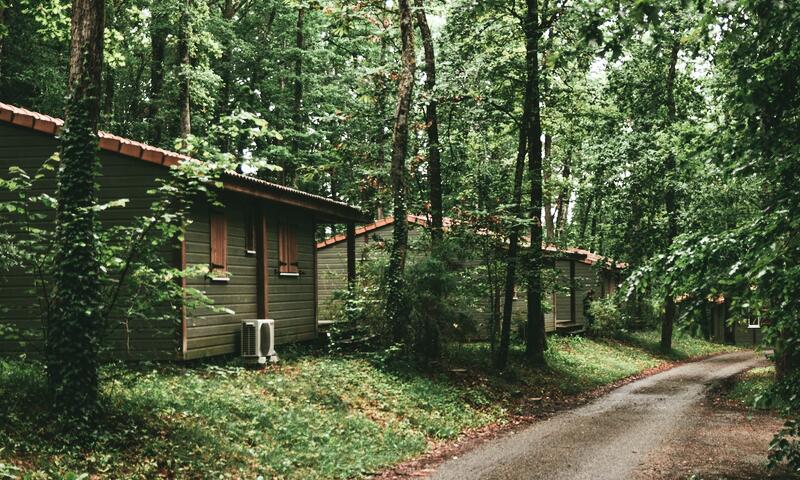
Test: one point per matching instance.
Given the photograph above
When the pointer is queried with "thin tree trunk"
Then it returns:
(670, 203)
(513, 241)
(227, 74)
(380, 137)
(158, 42)
(562, 203)
(108, 96)
(73, 332)
(184, 57)
(2, 38)
(396, 308)
(548, 207)
(432, 126)
(298, 93)
(536, 341)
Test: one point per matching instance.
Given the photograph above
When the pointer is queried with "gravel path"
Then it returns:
(606, 439)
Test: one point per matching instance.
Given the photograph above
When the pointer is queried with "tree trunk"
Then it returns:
(297, 116)
(73, 333)
(536, 342)
(227, 74)
(548, 207)
(2, 38)
(108, 96)
(380, 137)
(432, 126)
(562, 202)
(501, 361)
(184, 57)
(669, 200)
(396, 308)
(158, 42)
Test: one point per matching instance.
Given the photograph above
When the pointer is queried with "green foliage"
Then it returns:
(754, 388)
(785, 447)
(608, 319)
(307, 417)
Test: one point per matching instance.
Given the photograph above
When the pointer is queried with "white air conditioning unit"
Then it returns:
(258, 341)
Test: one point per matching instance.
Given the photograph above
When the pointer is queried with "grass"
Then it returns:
(311, 416)
(751, 388)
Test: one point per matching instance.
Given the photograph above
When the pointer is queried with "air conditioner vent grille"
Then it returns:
(249, 339)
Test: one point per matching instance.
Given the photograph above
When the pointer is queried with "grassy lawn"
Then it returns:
(311, 416)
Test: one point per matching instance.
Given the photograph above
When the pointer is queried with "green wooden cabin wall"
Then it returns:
(121, 177)
(291, 298)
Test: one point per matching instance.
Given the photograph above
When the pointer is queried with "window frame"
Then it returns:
(288, 250)
(250, 223)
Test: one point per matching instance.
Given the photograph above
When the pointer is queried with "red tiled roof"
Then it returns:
(584, 256)
(130, 148)
(368, 228)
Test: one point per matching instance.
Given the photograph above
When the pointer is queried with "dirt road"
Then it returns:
(609, 438)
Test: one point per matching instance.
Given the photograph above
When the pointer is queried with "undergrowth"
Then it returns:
(311, 416)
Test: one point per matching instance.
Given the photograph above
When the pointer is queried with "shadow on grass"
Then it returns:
(126, 436)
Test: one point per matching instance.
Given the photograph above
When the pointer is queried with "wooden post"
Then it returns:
(351, 256)
(262, 264)
(572, 313)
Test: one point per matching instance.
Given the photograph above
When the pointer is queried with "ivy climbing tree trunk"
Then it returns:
(432, 125)
(396, 308)
(668, 320)
(535, 337)
(73, 331)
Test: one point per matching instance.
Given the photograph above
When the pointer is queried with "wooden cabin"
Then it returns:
(734, 331)
(260, 247)
(579, 271)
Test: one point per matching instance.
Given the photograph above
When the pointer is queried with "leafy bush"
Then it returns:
(606, 317)
(785, 447)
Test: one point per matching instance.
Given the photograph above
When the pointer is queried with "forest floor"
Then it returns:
(313, 415)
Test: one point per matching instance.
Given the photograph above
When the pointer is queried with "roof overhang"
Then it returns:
(325, 209)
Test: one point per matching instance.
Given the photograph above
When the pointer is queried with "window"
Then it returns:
(218, 224)
(250, 232)
(287, 250)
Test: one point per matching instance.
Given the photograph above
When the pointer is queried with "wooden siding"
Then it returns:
(585, 279)
(741, 334)
(121, 177)
(332, 266)
(291, 298)
(332, 277)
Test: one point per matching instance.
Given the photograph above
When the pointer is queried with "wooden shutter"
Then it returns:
(287, 249)
(219, 240)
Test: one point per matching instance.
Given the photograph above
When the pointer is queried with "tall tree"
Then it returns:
(185, 65)
(514, 237)
(396, 309)
(158, 43)
(669, 197)
(535, 344)
(431, 125)
(72, 337)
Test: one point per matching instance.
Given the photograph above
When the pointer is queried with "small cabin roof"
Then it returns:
(581, 255)
(327, 209)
